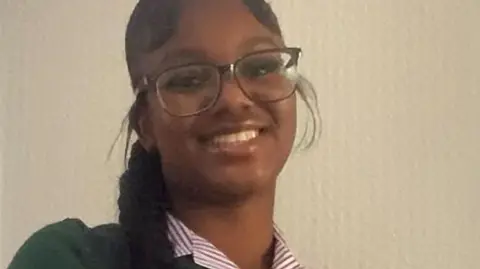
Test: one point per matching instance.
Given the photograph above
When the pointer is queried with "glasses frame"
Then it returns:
(151, 83)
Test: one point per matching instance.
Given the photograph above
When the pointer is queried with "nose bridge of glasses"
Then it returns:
(226, 71)
(228, 77)
(230, 88)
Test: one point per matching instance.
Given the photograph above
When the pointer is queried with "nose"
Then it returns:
(232, 98)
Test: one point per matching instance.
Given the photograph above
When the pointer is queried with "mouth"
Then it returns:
(234, 142)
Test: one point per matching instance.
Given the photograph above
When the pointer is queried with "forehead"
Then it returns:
(217, 30)
(217, 22)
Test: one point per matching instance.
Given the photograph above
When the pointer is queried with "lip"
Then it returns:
(235, 149)
(230, 128)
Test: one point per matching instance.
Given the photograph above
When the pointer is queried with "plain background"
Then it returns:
(393, 182)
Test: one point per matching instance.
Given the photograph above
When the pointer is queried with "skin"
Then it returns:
(225, 197)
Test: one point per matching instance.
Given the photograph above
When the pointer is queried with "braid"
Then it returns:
(143, 203)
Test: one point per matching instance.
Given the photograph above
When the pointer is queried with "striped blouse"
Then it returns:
(186, 242)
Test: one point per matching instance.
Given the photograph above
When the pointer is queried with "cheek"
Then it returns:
(169, 132)
(286, 118)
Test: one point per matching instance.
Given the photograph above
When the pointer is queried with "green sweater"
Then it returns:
(70, 244)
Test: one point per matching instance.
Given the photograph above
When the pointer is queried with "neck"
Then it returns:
(244, 233)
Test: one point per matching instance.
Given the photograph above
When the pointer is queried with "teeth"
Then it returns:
(235, 137)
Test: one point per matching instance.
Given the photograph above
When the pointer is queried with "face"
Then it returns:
(237, 147)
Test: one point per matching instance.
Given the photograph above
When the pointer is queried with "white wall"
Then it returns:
(3, 76)
(68, 91)
(3, 85)
(392, 184)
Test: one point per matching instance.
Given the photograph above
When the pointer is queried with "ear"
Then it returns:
(145, 132)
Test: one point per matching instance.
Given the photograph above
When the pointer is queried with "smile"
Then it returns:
(235, 138)
(240, 142)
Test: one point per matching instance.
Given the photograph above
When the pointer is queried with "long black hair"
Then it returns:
(143, 200)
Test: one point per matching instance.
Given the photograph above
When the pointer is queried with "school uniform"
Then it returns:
(70, 244)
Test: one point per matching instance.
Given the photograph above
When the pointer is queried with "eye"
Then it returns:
(186, 79)
(184, 82)
(259, 67)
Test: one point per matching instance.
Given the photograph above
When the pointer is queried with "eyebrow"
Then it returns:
(185, 54)
(251, 43)
(188, 55)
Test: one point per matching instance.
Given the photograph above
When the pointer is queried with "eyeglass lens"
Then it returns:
(265, 77)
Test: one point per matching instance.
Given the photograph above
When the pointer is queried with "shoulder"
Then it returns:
(72, 244)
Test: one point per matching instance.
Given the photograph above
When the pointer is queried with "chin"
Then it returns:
(240, 181)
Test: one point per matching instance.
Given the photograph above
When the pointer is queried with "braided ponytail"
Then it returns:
(143, 202)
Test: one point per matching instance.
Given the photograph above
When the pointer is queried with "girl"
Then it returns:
(215, 115)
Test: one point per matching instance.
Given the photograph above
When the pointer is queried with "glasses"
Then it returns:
(263, 76)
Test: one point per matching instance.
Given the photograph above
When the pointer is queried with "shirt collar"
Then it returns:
(186, 242)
